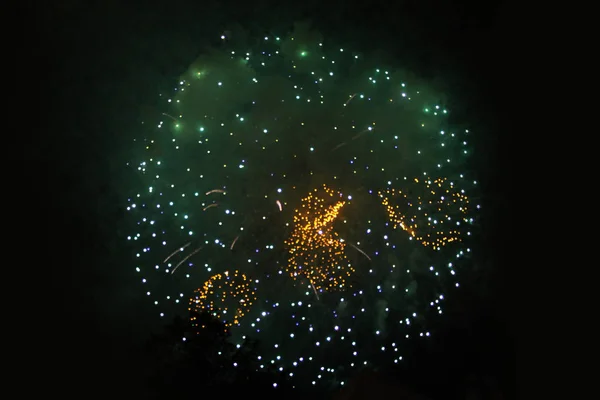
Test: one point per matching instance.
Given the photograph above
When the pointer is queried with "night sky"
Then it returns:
(101, 66)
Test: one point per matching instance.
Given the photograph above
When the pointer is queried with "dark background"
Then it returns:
(97, 63)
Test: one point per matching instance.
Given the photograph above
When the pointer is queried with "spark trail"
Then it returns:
(182, 261)
(176, 251)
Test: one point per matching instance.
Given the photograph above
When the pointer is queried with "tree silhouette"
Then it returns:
(194, 356)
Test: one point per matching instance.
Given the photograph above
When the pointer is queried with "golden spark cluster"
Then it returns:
(432, 211)
(434, 216)
(315, 251)
(227, 296)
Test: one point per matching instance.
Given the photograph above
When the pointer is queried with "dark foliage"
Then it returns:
(194, 356)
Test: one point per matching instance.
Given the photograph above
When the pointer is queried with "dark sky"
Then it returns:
(97, 62)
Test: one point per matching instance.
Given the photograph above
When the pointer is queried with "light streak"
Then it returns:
(182, 261)
(365, 254)
(338, 146)
(313, 288)
(215, 191)
(234, 240)
(167, 115)
(359, 134)
(176, 251)
(348, 101)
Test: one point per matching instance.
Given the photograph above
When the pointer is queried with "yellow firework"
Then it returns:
(315, 251)
(432, 211)
(227, 296)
